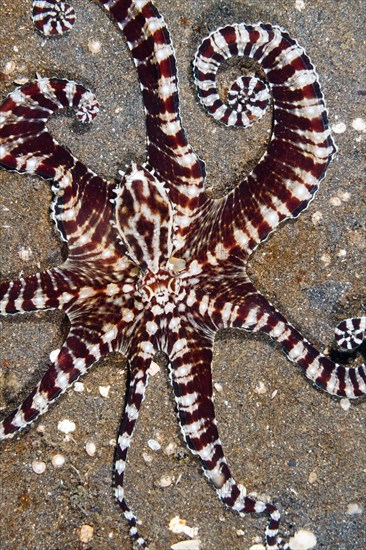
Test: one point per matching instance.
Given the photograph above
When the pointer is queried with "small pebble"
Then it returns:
(240, 533)
(86, 533)
(38, 466)
(218, 387)
(345, 404)
(342, 253)
(58, 460)
(359, 124)
(302, 540)
(313, 476)
(94, 45)
(326, 259)
(66, 426)
(104, 390)
(257, 547)
(339, 128)
(91, 448)
(354, 509)
(78, 387)
(273, 394)
(154, 445)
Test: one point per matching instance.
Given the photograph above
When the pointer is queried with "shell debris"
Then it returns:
(302, 540)
(153, 369)
(66, 426)
(38, 467)
(90, 448)
(154, 445)
(354, 509)
(104, 391)
(58, 460)
(194, 544)
(178, 526)
(94, 45)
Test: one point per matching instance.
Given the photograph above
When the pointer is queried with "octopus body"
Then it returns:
(154, 264)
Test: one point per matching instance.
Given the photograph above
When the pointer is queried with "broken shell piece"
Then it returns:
(58, 460)
(38, 466)
(154, 445)
(153, 369)
(170, 449)
(354, 509)
(178, 525)
(25, 253)
(104, 390)
(165, 481)
(66, 426)
(187, 545)
(9, 67)
(302, 540)
(91, 448)
(94, 45)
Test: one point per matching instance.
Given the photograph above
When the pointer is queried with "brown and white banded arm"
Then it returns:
(301, 147)
(168, 151)
(190, 354)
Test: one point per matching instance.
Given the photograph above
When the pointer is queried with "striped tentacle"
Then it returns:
(168, 151)
(27, 146)
(301, 147)
(240, 305)
(190, 356)
(139, 363)
(350, 333)
(53, 17)
(46, 290)
(80, 351)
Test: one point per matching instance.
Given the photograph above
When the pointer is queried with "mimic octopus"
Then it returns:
(154, 264)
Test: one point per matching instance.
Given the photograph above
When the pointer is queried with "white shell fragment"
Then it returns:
(94, 45)
(9, 67)
(165, 481)
(58, 461)
(345, 404)
(86, 533)
(38, 466)
(154, 445)
(359, 124)
(104, 391)
(300, 5)
(66, 426)
(170, 449)
(354, 509)
(78, 387)
(218, 387)
(257, 547)
(302, 540)
(187, 545)
(91, 448)
(25, 253)
(339, 128)
(153, 369)
(178, 525)
(260, 389)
